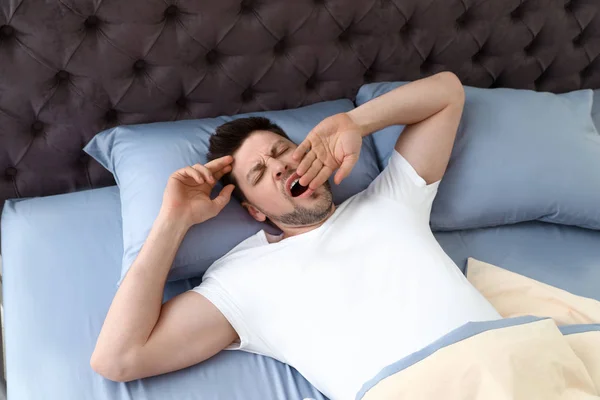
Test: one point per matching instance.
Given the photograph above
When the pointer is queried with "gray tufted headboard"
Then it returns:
(71, 68)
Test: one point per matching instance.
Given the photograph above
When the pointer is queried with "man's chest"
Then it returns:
(321, 294)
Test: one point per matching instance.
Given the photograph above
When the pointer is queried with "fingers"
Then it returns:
(306, 163)
(321, 177)
(219, 163)
(345, 169)
(301, 150)
(205, 173)
(190, 172)
(223, 198)
(312, 172)
(219, 174)
(210, 172)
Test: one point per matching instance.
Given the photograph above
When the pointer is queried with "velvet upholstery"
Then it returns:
(71, 68)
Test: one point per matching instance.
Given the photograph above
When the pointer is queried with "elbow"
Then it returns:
(111, 367)
(454, 87)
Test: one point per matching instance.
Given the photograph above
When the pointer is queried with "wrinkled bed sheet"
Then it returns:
(62, 259)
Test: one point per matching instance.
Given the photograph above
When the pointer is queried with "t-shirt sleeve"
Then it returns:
(218, 296)
(401, 182)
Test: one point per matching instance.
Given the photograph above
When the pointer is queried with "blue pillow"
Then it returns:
(142, 157)
(519, 156)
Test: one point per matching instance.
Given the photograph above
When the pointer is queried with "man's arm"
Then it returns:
(431, 109)
(142, 337)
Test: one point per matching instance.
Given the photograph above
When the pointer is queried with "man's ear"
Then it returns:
(254, 212)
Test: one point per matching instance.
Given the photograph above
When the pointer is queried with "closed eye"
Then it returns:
(276, 153)
(282, 151)
(259, 176)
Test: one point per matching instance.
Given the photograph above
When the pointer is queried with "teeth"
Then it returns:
(294, 182)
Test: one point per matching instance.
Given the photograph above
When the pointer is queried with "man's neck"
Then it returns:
(289, 231)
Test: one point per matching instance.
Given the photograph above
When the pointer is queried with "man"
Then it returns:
(344, 291)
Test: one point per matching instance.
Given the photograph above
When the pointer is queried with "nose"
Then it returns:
(279, 168)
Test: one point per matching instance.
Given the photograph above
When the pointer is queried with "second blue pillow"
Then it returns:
(519, 156)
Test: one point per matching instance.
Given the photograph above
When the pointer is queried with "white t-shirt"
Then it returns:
(339, 303)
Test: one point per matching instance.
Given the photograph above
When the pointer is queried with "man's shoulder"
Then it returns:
(362, 199)
(239, 252)
(249, 243)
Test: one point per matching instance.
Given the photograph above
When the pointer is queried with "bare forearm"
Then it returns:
(408, 104)
(137, 304)
(139, 332)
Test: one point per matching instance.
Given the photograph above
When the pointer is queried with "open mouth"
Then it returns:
(294, 186)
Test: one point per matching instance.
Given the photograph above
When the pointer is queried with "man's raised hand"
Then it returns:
(334, 144)
(187, 196)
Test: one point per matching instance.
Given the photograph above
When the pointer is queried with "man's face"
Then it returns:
(266, 173)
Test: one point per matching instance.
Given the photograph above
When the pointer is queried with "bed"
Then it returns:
(110, 63)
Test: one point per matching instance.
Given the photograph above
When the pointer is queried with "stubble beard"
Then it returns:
(302, 216)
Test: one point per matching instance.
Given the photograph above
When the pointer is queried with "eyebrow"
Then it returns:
(259, 164)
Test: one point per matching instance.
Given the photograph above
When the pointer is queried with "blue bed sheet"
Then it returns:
(62, 257)
(563, 256)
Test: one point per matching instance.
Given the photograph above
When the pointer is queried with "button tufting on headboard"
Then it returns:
(569, 5)
(529, 49)
(91, 22)
(462, 20)
(10, 172)
(6, 31)
(69, 69)
(62, 75)
(247, 95)
(37, 127)
(477, 57)
(171, 11)
(246, 7)
(517, 13)
(211, 57)
(541, 78)
(280, 47)
(586, 72)
(311, 83)
(181, 102)
(111, 115)
(139, 65)
(406, 28)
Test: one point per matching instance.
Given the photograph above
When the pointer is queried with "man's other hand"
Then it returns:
(334, 144)
(187, 195)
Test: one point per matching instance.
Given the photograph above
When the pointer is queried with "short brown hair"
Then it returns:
(230, 136)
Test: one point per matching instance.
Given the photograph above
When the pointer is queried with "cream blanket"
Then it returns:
(528, 359)
(525, 356)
